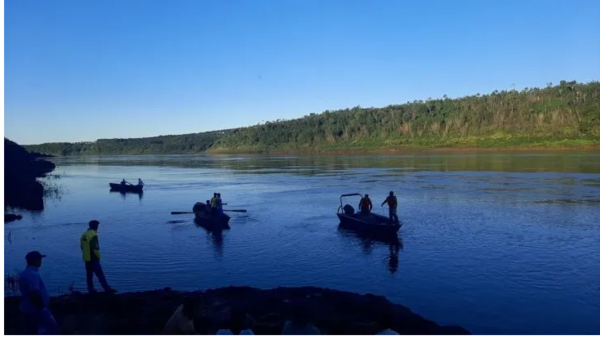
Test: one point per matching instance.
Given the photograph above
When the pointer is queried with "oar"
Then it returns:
(190, 212)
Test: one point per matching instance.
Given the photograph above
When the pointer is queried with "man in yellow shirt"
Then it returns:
(90, 248)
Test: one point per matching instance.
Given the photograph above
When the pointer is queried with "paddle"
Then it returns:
(190, 212)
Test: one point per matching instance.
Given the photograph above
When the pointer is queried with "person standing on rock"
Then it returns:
(90, 248)
(34, 298)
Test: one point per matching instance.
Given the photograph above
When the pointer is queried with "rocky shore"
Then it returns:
(141, 313)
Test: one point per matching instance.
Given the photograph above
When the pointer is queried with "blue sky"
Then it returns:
(82, 70)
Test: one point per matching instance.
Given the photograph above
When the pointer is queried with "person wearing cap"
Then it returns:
(90, 248)
(35, 299)
(392, 203)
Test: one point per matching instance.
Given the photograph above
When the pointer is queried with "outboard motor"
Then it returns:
(348, 209)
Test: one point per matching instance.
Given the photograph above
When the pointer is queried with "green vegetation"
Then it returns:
(188, 143)
(566, 115)
(11, 283)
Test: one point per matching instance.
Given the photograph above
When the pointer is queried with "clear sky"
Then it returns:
(82, 70)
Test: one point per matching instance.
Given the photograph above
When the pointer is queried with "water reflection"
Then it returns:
(311, 165)
(369, 242)
(124, 194)
(216, 237)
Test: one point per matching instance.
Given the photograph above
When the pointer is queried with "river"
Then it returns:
(500, 243)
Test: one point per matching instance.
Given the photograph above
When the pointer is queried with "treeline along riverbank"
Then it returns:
(565, 115)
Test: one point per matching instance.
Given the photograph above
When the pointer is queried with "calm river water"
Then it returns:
(494, 242)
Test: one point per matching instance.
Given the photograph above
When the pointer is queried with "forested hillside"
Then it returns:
(564, 115)
(188, 143)
(568, 114)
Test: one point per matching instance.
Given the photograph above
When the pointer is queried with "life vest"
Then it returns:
(392, 201)
(89, 245)
(213, 202)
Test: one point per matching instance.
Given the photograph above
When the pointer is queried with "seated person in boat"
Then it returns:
(123, 182)
(365, 205)
(140, 183)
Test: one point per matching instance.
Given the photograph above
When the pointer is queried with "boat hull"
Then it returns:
(369, 224)
(126, 188)
(208, 220)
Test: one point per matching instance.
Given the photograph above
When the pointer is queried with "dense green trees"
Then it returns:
(188, 143)
(547, 116)
(566, 114)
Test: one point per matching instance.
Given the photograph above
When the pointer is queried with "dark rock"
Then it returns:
(11, 217)
(21, 188)
(333, 312)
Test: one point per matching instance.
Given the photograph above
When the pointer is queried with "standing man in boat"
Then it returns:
(90, 248)
(392, 203)
(140, 183)
(213, 204)
(219, 204)
(365, 205)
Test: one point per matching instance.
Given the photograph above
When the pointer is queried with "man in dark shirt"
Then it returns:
(392, 203)
(365, 206)
(34, 298)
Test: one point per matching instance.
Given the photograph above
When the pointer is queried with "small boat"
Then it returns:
(126, 187)
(204, 217)
(368, 224)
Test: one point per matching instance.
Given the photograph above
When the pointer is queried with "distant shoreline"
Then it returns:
(367, 151)
(410, 150)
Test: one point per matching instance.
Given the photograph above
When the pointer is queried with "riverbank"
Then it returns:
(409, 150)
(332, 311)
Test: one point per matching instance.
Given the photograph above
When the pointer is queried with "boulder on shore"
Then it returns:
(21, 170)
(141, 313)
(11, 217)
